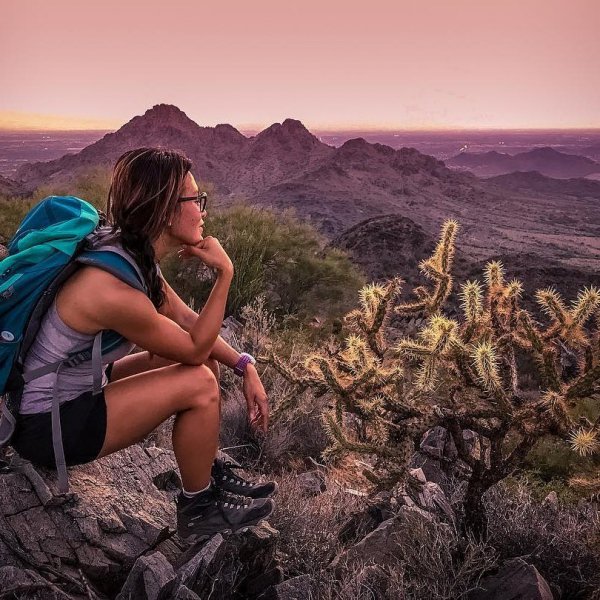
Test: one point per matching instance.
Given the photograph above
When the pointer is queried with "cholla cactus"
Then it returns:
(460, 375)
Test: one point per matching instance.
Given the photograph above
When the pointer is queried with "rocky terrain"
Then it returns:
(391, 245)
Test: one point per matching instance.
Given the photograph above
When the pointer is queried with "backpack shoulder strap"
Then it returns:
(116, 261)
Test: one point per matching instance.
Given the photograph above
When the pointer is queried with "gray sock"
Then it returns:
(192, 494)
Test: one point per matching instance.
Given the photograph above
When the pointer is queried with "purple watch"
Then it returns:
(243, 361)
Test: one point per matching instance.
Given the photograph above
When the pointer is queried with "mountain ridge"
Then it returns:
(546, 160)
(285, 166)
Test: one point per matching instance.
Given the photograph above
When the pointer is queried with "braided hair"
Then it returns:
(142, 201)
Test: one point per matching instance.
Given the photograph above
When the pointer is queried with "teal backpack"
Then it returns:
(56, 237)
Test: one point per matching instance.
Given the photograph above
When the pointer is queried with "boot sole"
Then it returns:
(199, 535)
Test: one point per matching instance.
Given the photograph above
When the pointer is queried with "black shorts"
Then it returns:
(83, 425)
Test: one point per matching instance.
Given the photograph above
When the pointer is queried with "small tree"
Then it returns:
(460, 375)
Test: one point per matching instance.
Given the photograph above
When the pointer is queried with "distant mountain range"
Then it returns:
(546, 161)
(352, 191)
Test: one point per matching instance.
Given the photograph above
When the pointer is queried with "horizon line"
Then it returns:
(324, 129)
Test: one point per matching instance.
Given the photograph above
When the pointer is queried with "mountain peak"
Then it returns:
(165, 111)
(290, 129)
(163, 115)
(294, 125)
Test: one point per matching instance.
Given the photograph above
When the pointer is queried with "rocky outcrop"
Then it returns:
(113, 535)
(516, 580)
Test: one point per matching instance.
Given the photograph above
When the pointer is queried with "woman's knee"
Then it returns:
(202, 385)
(213, 365)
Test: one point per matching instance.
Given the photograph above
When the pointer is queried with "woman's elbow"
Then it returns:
(198, 358)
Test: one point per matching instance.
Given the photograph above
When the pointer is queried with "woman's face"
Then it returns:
(187, 224)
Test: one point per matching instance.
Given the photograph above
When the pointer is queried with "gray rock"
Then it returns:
(551, 500)
(431, 467)
(381, 546)
(297, 588)
(426, 495)
(437, 443)
(184, 593)
(434, 442)
(200, 562)
(215, 568)
(359, 524)
(418, 475)
(151, 578)
(311, 483)
(24, 583)
(263, 581)
(231, 329)
(433, 499)
(516, 580)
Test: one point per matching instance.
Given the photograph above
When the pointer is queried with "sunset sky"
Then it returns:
(403, 64)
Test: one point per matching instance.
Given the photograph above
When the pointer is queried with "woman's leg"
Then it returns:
(141, 362)
(137, 404)
(132, 364)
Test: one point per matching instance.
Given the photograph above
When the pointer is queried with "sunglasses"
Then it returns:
(200, 200)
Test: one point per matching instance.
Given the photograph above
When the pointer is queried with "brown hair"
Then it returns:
(142, 201)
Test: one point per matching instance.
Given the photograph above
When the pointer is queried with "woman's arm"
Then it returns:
(120, 307)
(177, 310)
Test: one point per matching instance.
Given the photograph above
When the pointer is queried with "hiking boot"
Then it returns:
(227, 480)
(215, 511)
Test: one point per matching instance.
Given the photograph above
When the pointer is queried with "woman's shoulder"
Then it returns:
(94, 285)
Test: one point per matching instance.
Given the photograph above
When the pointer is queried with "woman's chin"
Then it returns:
(191, 240)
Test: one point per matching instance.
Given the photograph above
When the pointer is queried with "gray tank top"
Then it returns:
(56, 340)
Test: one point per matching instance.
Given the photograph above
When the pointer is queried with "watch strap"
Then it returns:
(244, 360)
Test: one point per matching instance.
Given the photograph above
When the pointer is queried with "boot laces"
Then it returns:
(230, 500)
(227, 473)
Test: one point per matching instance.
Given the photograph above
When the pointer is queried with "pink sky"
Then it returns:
(329, 63)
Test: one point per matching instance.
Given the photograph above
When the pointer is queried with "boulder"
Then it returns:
(151, 578)
(381, 547)
(424, 494)
(378, 510)
(516, 580)
(297, 588)
(311, 483)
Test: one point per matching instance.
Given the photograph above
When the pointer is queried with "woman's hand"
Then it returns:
(210, 252)
(256, 399)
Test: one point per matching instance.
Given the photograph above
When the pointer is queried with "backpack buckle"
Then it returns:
(77, 359)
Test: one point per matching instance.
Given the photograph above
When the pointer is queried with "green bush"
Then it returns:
(91, 186)
(277, 255)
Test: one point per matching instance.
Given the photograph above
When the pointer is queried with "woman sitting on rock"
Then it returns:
(154, 207)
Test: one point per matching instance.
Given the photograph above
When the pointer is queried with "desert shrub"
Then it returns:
(291, 439)
(12, 211)
(562, 541)
(380, 398)
(276, 255)
(427, 560)
(309, 526)
(91, 186)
